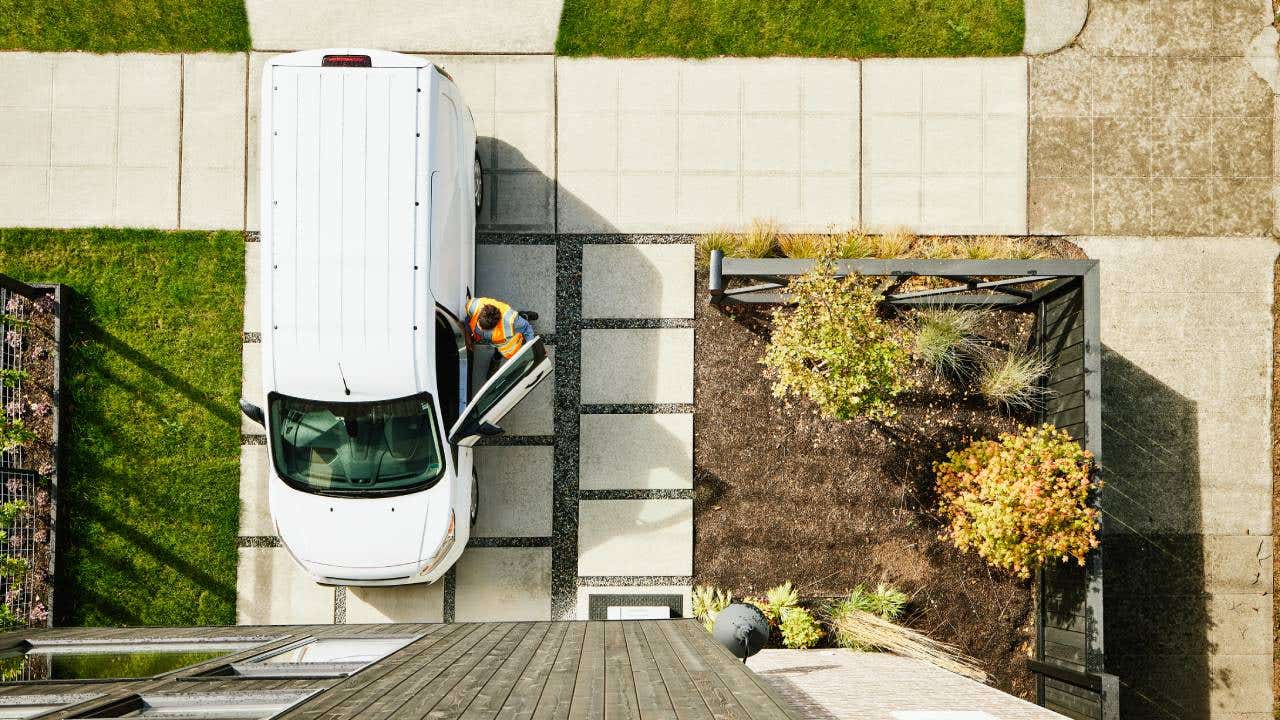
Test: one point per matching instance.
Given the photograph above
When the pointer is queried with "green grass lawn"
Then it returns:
(151, 378)
(808, 28)
(124, 25)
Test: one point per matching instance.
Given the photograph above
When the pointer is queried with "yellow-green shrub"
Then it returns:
(1019, 501)
(834, 349)
(799, 629)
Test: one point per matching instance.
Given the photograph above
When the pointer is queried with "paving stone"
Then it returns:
(272, 589)
(661, 145)
(635, 537)
(213, 141)
(515, 491)
(1052, 24)
(534, 414)
(944, 145)
(89, 140)
(255, 510)
(418, 603)
(503, 584)
(512, 99)
(583, 608)
(636, 452)
(523, 276)
(251, 385)
(485, 26)
(637, 366)
(637, 281)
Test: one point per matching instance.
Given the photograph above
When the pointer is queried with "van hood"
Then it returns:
(353, 532)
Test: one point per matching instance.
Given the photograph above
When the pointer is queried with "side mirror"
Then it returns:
(253, 412)
(488, 430)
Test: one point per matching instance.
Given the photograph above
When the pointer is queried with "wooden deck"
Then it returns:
(535, 670)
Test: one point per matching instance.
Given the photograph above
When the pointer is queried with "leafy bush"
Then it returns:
(834, 349)
(12, 567)
(1019, 501)
(944, 337)
(10, 377)
(13, 433)
(1011, 379)
(707, 602)
(799, 629)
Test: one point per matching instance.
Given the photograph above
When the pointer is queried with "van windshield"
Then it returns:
(374, 448)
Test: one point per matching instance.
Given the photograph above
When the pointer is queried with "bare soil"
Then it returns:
(783, 495)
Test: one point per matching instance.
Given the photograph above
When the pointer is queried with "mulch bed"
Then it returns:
(31, 534)
(782, 495)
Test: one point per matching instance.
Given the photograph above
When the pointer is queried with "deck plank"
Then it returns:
(424, 690)
(556, 699)
(588, 689)
(620, 699)
(495, 693)
(687, 702)
(468, 689)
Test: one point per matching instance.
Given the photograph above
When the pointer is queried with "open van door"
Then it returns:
(516, 378)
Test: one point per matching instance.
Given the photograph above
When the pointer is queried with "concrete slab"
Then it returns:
(636, 452)
(944, 145)
(252, 201)
(523, 276)
(525, 26)
(585, 593)
(660, 145)
(272, 589)
(635, 537)
(255, 512)
(512, 99)
(400, 604)
(89, 140)
(213, 141)
(251, 385)
(637, 281)
(503, 584)
(515, 491)
(637, 366)
(1052, 24)
(253, 287)
(535, 413)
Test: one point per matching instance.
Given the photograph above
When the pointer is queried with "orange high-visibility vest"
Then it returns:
(503, 336)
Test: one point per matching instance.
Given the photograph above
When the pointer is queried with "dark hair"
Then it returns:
(489, 317)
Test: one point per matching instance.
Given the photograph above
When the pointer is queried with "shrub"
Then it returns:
(858, 629)
(1011, 379)
(707, 602)
(10, 377)
(944, 337)
(13, 433)
(799, 629)
(1019, 501)
(834, 349)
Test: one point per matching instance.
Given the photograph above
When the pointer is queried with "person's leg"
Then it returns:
(529, 315)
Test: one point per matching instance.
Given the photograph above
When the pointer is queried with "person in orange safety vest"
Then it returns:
(493, 322)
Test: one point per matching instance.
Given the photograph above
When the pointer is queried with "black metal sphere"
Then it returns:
(742, 629)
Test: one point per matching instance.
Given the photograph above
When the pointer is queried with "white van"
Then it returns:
(370, 184)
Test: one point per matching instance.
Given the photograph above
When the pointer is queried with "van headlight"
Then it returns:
(445, 546)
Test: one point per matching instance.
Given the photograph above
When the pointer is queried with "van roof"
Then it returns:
(344, 222)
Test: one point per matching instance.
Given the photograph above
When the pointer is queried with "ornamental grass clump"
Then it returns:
(834, 349)
(874, 632)
(1020, 501)
(1011, 379)
(807, 246)
(945, 338)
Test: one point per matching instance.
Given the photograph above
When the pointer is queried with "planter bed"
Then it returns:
(31, 337)
(782, 494)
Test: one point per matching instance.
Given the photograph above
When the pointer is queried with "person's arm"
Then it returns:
(525, 328)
